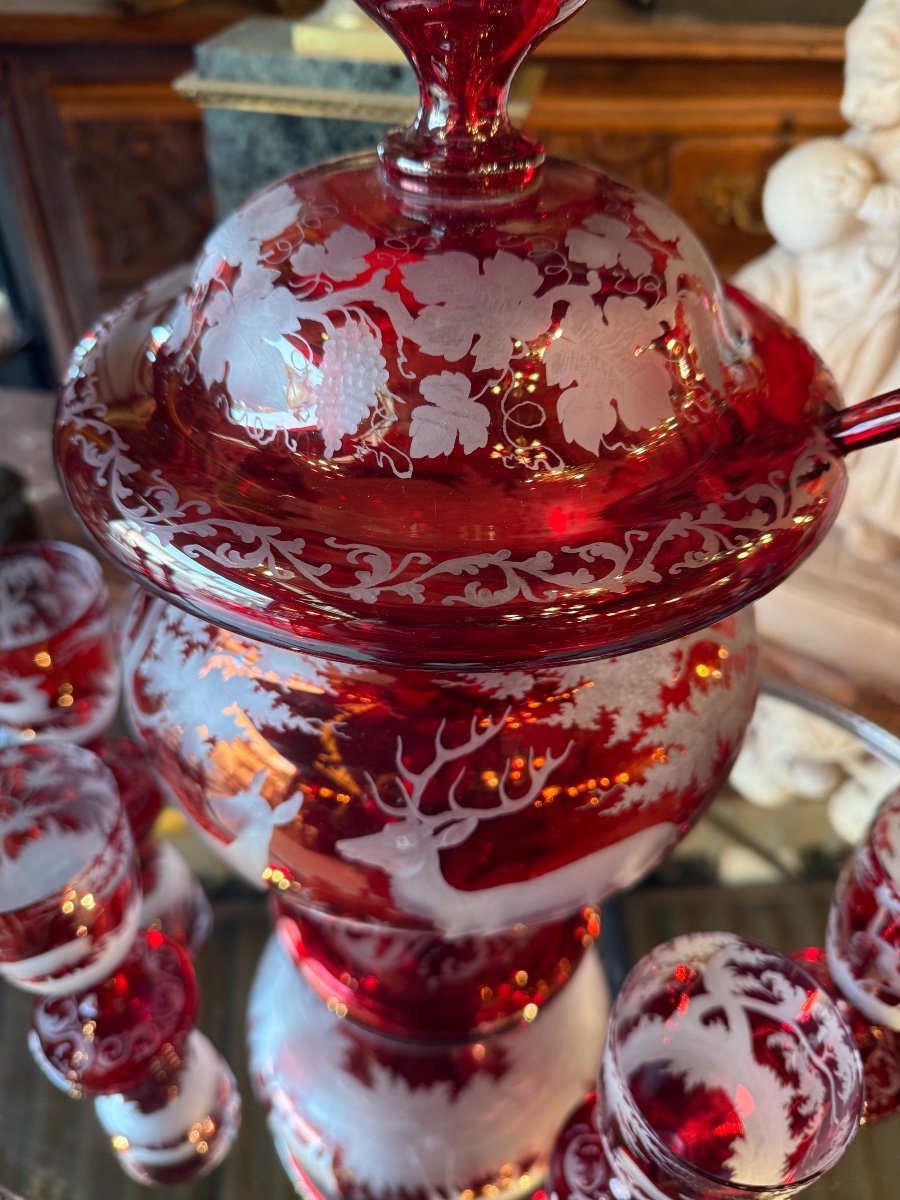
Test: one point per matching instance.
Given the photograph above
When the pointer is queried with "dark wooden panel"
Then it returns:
(137, 157)
(717, 187)
(107, 163)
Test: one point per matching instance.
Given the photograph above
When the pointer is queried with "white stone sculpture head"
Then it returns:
(871, 97)
(802, 201)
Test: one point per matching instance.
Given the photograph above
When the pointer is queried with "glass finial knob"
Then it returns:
(462, 149)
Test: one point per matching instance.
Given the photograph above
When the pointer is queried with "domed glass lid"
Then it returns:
(452, 404)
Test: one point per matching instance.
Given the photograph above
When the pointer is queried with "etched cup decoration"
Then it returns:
(358, 1114)
(863, 938)
(59, 673)
(69, 890)
(877, 1047)
(728, 1074)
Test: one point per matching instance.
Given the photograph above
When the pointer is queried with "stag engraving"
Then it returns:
(413, 835)
(250, 817)
(408, 847)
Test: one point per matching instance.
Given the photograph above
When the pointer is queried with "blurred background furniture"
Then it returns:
(103, 163)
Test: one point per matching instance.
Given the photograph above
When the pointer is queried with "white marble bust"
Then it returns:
(833, 206)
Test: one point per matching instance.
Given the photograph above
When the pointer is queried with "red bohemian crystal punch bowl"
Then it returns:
(463, 803)
(456, 406)
(418, 434)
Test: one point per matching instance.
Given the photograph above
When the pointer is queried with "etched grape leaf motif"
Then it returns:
(603, 242)
(238, 239)
(686, 260)
(694, 292)
(353, 374)
(243, 345)
(451, 413)
(609, 370)
(709, 333)
(340, 257)
(482, 308)
(663, 224)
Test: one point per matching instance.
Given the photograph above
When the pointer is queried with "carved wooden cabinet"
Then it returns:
(104, 162)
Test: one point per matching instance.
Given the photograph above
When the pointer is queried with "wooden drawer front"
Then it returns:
(642, 159)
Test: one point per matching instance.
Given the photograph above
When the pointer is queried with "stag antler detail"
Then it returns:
(413, 785)
(409, 845)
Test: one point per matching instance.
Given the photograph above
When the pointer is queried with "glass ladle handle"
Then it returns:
(866, 424)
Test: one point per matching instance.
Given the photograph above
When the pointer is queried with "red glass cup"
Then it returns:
(126, 1032)
(877, 1047)
(70, 894)
(190, 1133)
(863, 935)
(728, 1074)
(174, 901)
(162, 1092)
(59, 672)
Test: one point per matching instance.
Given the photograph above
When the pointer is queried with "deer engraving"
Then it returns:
(249, 816)
(409, 846)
